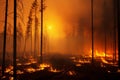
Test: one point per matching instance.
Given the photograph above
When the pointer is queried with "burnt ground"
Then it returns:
(69, 71)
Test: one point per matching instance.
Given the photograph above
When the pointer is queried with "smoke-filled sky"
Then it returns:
(67, 23)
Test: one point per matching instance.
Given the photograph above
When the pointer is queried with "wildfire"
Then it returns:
(9, 69)
(30, 70)
(40, 67)
(19, 72)
(43, 66)
(11, 78)
(31, 61)
(98, 53)
(104, 61)
(54, 70)
(71, 73)
(78, 64)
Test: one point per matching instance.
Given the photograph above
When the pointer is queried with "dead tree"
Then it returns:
(118, 24)
(15, 40)
(4, 45)
(115, 28)
(92, 29)
(36, 28)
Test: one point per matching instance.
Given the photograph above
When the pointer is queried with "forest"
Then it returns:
(59, 39)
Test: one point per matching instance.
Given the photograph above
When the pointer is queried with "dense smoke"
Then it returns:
(67, 25)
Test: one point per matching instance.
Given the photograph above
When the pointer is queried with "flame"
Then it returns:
(43, 66)
(81, 61)
(30, 70)
(98, 53)
(104, 61)
(54, 70)
(19, 72)
(71, 73)
(11, 78)
(31, 61)
(78, 64)
(9, 69)
(19, 64)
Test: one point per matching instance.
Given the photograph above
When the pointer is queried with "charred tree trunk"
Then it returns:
(41, 45)
(104, 23)
(4, 45)
(92, 28)
(35, 28)
(31, 41)
(24, 50)
(15, 40)
(118, 19)
(114, 56)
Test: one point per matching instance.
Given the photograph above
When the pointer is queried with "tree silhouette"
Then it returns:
(118, 24)
(4, 45)
(92, 29)
(15, 40)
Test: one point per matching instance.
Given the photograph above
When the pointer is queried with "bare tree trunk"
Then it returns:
(31, 41)
(41, 45)
(35, 28)
(114, 55)
(118, 19)
(4, 45)
(24, 47)
(92, 28)
(104, 23)
(15, 40)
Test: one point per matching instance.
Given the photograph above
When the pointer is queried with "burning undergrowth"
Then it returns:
(56, 66)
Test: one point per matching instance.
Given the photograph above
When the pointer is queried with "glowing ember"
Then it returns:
(28, 63)
(19, 64)
(78, 64)
(8, 69)
(72, 58)
(11, 78)
(104, 61)
(43, 66)
(71, 73)
(100, 54)
(118, 70)
(19, 72)
(82, 61)
(30, 70)
(109, 71)
(31, 61)
(54, 70)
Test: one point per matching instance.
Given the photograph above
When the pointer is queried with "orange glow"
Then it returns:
(98, 53)
(71, 73)
(54, 70)
(43, 66)
(9, 69)
(30, 70)
(54, 27)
